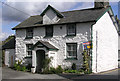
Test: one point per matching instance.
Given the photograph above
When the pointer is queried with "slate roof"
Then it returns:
(76, 16)
(10, 44)
(46, 44)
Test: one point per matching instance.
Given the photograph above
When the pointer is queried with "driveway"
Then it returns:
(12, 74)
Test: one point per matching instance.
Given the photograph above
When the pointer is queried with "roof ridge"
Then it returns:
(83, 9)
(73, 11)
(34, 15)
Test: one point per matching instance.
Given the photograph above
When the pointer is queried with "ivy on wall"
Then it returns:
(86, 59)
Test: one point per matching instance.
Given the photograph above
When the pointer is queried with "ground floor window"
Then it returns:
(29, 49)
(71, 50)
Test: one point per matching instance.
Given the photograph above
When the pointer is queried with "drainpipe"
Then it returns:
(96, 49)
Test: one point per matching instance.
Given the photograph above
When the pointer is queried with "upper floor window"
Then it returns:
(71, 29)
(29, 33)
(29, 49)
(71, 50)
(49, 31)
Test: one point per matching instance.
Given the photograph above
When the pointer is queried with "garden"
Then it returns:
(50, 70)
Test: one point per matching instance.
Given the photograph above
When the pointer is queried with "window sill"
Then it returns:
(70, 35)
(71, 59)
(48, 36)
(30, 56)
(28, 37)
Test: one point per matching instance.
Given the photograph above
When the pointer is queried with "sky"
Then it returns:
(14, 12)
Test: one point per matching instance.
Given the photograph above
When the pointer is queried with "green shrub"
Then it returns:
(46, 63)
(23, 68)
(59, 69)
(53, 70)
(86, 60)
(73, 66)
(18, 66)
(28, 67)
(72, 71)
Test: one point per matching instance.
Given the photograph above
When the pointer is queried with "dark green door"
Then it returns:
(40, 56)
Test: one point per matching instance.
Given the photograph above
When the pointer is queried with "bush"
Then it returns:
(72, 71)
(18, 66)
(28, 67)
(23, 68)
(46, 63)
(73, 66)
(86, 59)
(59, 69)
(53, 70)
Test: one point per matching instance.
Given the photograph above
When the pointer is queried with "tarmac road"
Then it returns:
(8, 74)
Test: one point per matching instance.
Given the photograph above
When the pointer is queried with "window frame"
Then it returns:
(29, 49)
(28, 33)
(68, 55)
(47, 33)
(68, 29)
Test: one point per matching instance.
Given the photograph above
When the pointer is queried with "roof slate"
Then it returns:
(76, 16)
(46, 44)
(10, 44)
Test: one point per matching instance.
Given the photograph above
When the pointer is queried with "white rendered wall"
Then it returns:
(59, 40)
(105, 48)
(8, 55)
(119, 42)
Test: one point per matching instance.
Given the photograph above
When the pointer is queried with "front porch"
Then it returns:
(42, 50)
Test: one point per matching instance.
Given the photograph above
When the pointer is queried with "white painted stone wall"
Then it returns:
(119, 50)
(8, 55)
(119, 42)
(105, 48)
(59, 40)
(50, 17)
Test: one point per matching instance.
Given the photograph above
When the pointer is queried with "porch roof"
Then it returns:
(46, 44)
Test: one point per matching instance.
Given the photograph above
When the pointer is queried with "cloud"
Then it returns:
(30, 8)
(85, 5)
(3, 36)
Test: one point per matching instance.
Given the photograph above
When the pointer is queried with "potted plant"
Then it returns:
(33, 69)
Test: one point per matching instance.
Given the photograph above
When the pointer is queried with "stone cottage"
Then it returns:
(9, 52)
(62, 35)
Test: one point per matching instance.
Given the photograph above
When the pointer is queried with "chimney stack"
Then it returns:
(101, 3)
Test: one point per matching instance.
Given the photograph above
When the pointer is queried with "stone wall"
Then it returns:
(9, 57)
(59, 40)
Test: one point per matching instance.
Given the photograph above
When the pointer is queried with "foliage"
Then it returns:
(18, 66)
(53, 70)
(3, 57)
(29, 66)
(46, 63)
(23, 68)
(72, 71)
(73, 66)
(7, 39)
(59, 69)
(86, 59)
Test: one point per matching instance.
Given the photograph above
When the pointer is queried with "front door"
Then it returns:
(40, 56)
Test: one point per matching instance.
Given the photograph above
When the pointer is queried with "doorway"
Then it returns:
(40, 56)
